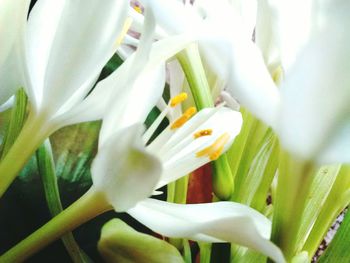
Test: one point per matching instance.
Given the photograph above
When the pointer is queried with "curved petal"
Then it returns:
(168, 12)
(13, 17)
(13, 14)
(122, 165)
(93, 107)
(78, 46)
(266, 33)
(214, 222)
(251, 83)
(316, 94)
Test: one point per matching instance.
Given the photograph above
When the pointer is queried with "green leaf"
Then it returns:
(74, 148)
(320, 188)
(337, 199)
(338, 250)
(121, 243)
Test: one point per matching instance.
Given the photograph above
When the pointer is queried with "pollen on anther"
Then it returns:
(214, 151)
(184, 118)
(202, 133)
(178, 99)
(138, 8)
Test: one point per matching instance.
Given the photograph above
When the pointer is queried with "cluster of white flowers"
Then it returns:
(287, 65)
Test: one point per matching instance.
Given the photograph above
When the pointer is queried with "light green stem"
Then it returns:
(32, 135)
(294, 181)
(335, 203)
(205, 250)
(192, 65)
(48, 176)
(87, 207)
(18, 115)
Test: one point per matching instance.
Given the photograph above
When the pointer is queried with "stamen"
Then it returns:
(184, 118)
(202, 133)
(124, 31)
(214, 151)
(178, 99)
(137, 8)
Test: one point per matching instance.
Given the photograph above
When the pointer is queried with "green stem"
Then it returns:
(18, 115)
(294, 181)
(192, 65)
(48, 176)
(87, 207)
(205, 252)
(33, 133)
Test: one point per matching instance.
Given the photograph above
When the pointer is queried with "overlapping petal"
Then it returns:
(214, 222)
(66, 48)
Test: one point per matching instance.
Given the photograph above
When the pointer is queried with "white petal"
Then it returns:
(168, 13)
(93, 107)
(266, 33)
(79, 46)
(214, 222)
(123, 170)
(178, 154)
(10, 75)
(42, 25)
(338, 148)
(13, 15)
(316, 95)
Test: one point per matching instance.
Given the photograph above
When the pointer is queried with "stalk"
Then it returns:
(192, 65)
(90, 205)
(294, 181)
(31, 136)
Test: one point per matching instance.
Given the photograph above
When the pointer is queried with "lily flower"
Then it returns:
(128, 168)
(311, 116)
(223, 30)
(13, 17)
(179, 150)
(64, 59)
(64, 53)
(188, 142)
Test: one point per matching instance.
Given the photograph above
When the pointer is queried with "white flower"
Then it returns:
(311, 115)
(13, 16)
(66, 47)
(128, 169)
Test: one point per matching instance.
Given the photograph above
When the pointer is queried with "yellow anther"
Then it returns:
(184, 118)
(137, 8)
(277, 75)
(214, 151)
(178, 99)
(202, 133)
(124, 31)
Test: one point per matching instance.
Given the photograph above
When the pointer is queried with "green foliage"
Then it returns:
(338, 251)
